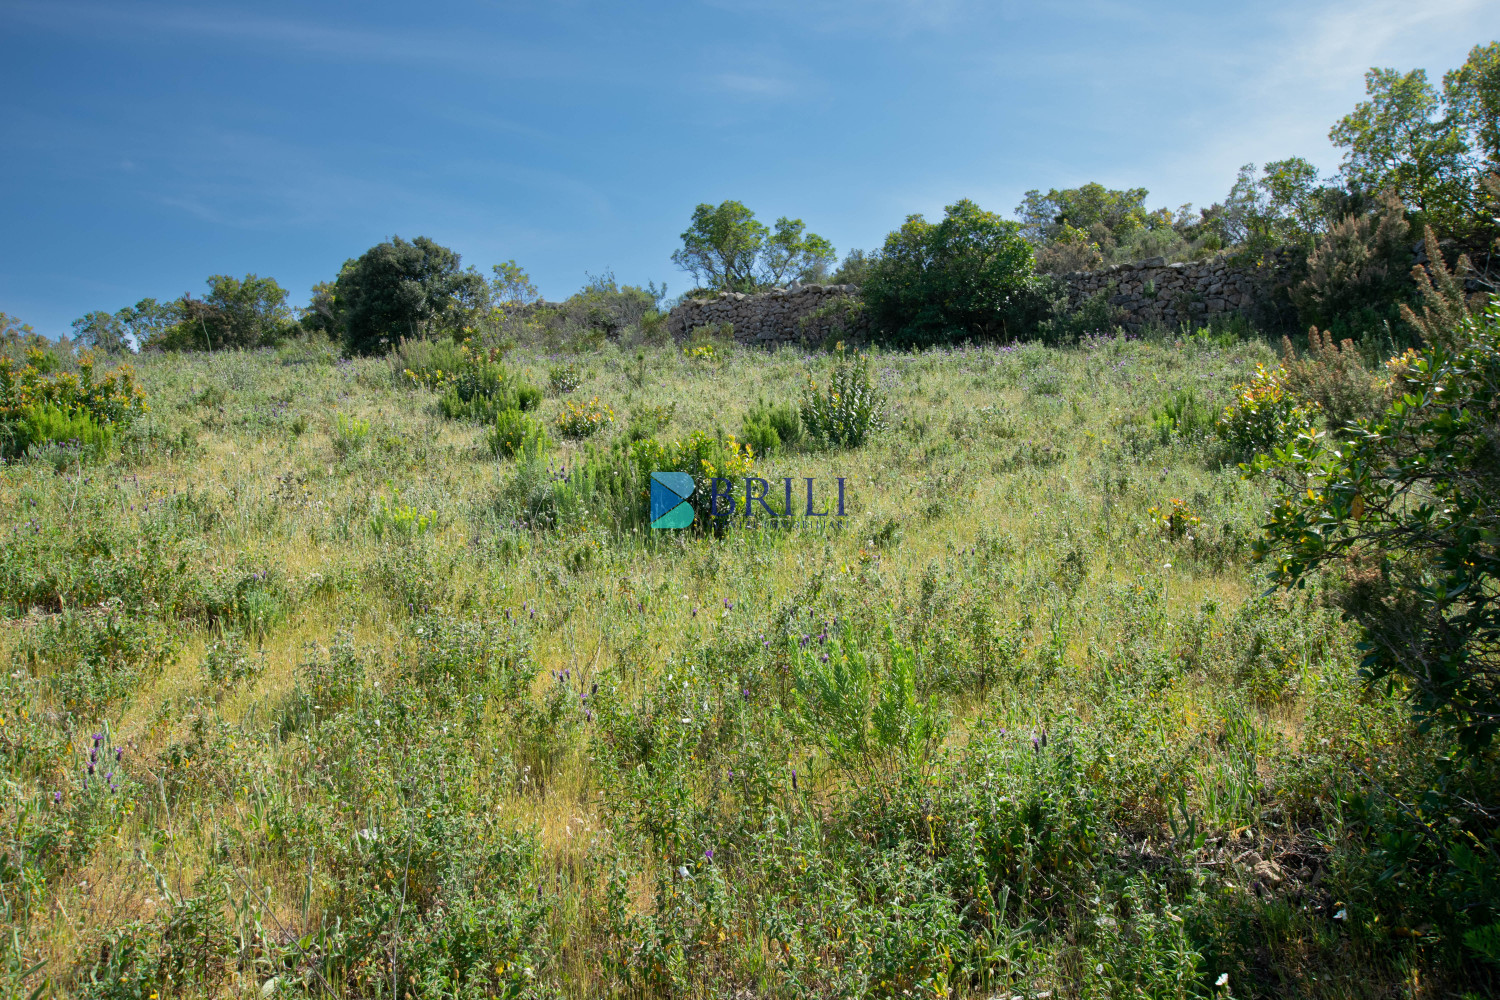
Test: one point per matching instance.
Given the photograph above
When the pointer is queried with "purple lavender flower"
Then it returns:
(794, 779)
(119, 751)
(57, 797)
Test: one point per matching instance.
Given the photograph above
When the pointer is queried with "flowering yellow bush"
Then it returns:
(29, 394)
(1263, 413)
(579, 420)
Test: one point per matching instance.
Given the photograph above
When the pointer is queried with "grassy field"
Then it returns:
(374, 712)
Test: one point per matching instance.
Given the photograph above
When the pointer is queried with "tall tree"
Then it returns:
(403, 289)
(961, 278)
(792, 252)
(1472, 93)
(1400, 139)
(721, 245)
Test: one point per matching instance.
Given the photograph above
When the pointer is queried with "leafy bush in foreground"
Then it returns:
(1406, 509)
(849, 411)
(37, 406)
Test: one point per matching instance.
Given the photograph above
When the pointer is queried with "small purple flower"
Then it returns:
(728, 604)
(794, 779)
(57, 797)
(709, 854)
(109, 776)
(98, 738)
(824, 657)
(119, 751)
(93, 755)
(91, 768)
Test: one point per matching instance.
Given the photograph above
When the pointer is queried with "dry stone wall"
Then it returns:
(1151, 292)
(799, 314)
(1155, 292)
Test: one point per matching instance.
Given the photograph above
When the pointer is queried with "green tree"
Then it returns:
(792, 252)
(1400, 139)
(403, 289)
(102, 331)
(721, 245)
(237, 314)
(1472, 93)
(252, 310)
(1047, 217)
(965, 277)
(511, 285)
(147, 319)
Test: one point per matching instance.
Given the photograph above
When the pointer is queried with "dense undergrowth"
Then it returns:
(368, 678)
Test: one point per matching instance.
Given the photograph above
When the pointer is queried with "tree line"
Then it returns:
(1416, 154)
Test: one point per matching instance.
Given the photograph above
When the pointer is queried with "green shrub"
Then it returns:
(475, 385)
(955, 280)
(516, 432)
(1404, 510)
(770, 428)
(1090, 317)
(397, 520)
(564, 378)
(40, 404)
(349, 434)
(579, 420)
(1263, 414)
(1333, 379)
(1182, 413)
(647, 421)
(50, 423)
(849, 411)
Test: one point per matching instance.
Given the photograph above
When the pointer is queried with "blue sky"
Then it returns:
(149, 145)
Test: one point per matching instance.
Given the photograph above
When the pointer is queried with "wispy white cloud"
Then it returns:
(754, 85)
(471, 50)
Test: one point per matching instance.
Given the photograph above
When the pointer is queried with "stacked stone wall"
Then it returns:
(799, 314)
(1151, 292)
(1155, 292)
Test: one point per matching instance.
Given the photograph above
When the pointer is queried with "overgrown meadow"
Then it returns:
(321, 682)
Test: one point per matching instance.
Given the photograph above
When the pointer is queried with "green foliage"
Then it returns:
(564, 378)
(769, 428)
(1401, 139)
(726, 248)
(50, 423)
(1356, 275)
(1263, 415)
(349, 434)
(790, 251)
(39, 404)
(403, 289)
(237, 314)
(579, 420)
(511, 285)
(720, 246)
(1182, 413)
(959, 279)
(516, 432)
(475, 385)
(1472, 95)
(1092, 316)
(849, 411)
(1405, 507)
(401, 521)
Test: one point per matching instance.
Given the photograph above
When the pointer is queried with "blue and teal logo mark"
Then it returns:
(669, 499)
(671, 491)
